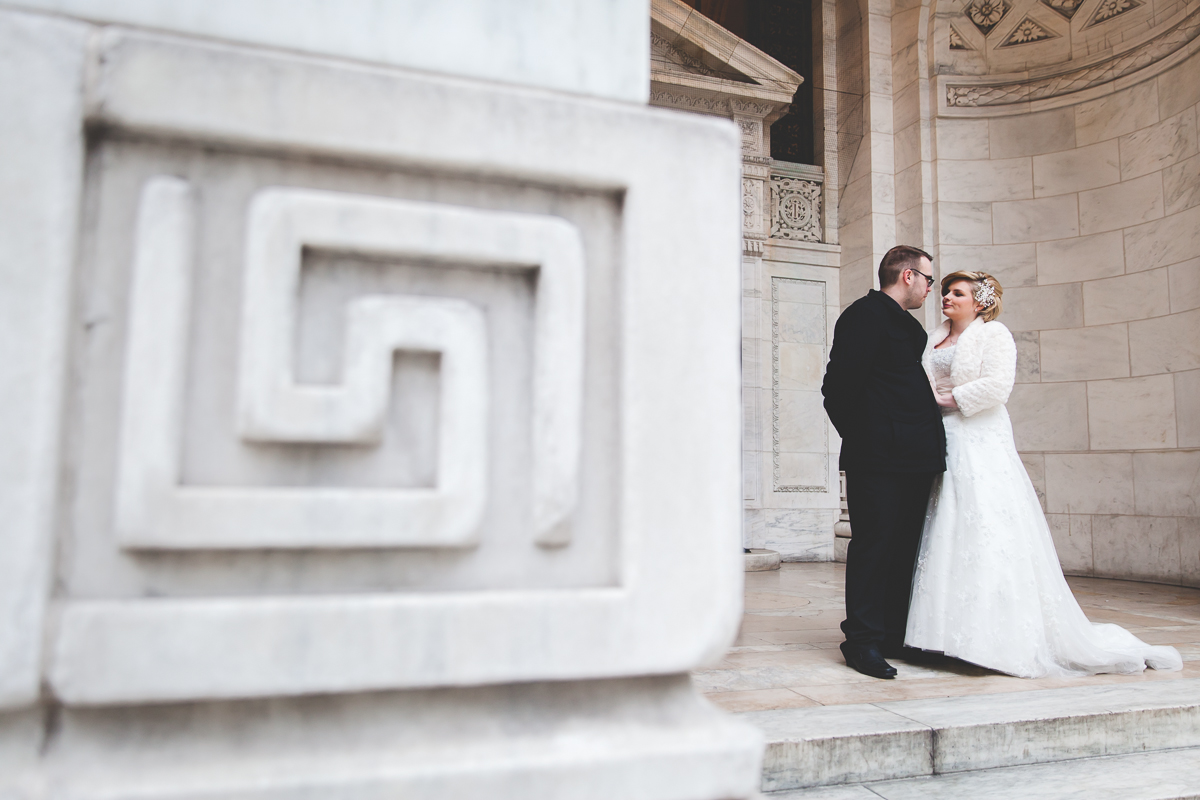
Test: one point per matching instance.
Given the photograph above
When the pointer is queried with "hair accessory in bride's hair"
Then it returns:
(985, 295)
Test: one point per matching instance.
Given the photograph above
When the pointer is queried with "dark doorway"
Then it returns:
(783, 30)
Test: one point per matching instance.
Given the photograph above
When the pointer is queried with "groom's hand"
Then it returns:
(946, 400)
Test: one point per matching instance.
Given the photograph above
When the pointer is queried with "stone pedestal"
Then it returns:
(372, 430)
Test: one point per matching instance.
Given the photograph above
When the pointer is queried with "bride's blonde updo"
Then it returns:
(988, 291)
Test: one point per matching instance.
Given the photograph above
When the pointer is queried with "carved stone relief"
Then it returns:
(1028, 31)
(986, 14)
(982, 93)
(1111, 9)
(1066, 8)
(795, 209)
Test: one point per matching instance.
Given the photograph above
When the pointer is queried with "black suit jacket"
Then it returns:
(877, 394)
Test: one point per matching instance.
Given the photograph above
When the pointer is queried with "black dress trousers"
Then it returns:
(887, 514)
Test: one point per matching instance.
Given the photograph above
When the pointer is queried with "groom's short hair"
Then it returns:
(898, 259)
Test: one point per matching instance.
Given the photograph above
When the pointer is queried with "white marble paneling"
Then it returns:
(1178, 88)
(1121, 205)
(796, 534)
(1035, 467)
(1187, 408)
(1189, 550)
(1033, 134)
(1184, 280)
(1080, 354)
(962, 139)
(908, 147)
(1165, 344)
(1029, 356)
(1167, 483)
(1089, 483)
(1137, 296)
(1011, 264)
(1115, 114)
(1072, 535)
(964, 223)
(1131, 413)
(1136, 548)
(1081, 258)
(41, 67)
(1181, 185)
(1162, 242)
(1160, 145)
(1035, 220)
(597, 49)
(1058, 305)
(974, 181)
(1077, 169)
(1049, 416)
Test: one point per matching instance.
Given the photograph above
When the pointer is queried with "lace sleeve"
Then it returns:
(997, 375)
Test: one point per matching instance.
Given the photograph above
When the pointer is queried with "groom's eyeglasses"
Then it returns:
(928, 278)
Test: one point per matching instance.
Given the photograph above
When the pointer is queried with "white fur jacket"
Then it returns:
(984, 367)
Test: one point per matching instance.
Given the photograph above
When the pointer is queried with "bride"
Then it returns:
(987, 587)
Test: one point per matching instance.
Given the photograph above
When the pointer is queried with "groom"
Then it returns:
(893, 444)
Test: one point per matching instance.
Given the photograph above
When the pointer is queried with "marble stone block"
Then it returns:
(1035, 467)
(1080, 259)
(1043, 307)
(1185, 285)
(1029, 356)
(962, 139)
(41, 66)
(1165, 344)
(1178, 88)
(1012, 264)
(1162, 242)
(1115, 114)
(1121, 205)
(1035, 220)
(1031, 134)
(1189, 550)
(964, 223)
(1181, 185)
(908, 147)
(1160, 145)
(597, 49)
(1089, 483)
(1136, 548)
(1080, 354)
(974, 181)
(378, 324)
(1187, 408)
(1167, 483)
(796, 534)
(1128, 297)
(1131, 413)
(1072, 535)
(1049, 416)
(1076, 169)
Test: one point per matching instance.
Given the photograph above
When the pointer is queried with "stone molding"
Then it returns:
(1005, 92)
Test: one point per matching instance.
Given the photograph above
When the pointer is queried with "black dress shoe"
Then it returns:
(914, 655)
(868, 661)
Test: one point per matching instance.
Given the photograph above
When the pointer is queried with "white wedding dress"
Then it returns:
(987, 586)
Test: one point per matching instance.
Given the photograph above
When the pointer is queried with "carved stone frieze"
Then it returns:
(1110, 9)
(986, 14)
(958, 41)
(1066, 8)
(795, 209)
(1028, 31)
(977, 95)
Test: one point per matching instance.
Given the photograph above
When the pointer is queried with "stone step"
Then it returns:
(829, 745)
(1160, 775)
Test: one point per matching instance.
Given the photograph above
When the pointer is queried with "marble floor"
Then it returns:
(786, 654)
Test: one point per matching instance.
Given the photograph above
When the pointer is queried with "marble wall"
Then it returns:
(1066, 163)
(1089, 214)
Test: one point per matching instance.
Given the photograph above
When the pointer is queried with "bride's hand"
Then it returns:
(946, 400)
